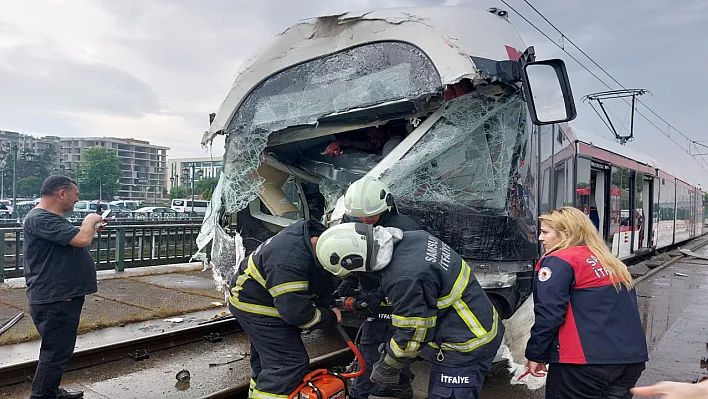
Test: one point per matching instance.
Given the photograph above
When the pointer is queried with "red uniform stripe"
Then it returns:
(571, 351)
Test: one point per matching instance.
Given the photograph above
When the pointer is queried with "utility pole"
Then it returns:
(14, 180)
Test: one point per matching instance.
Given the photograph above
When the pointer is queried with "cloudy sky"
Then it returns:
(155, 69)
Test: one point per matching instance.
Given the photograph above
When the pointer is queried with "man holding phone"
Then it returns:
(59, 272)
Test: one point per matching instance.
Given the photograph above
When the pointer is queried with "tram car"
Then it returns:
(472, 160)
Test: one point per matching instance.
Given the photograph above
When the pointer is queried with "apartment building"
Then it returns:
(144, 164)
(47, 146)
(202, 166)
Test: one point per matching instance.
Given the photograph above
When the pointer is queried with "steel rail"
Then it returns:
(20, 372)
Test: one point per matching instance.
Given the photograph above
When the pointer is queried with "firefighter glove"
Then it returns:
(348, 287)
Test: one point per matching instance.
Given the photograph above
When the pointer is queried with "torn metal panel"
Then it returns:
(449, 36)
(495, 280)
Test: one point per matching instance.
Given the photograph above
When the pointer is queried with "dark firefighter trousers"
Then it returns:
(458, 382)
(373, 334)
(279, 360)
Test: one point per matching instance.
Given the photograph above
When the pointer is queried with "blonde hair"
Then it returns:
(576, 229)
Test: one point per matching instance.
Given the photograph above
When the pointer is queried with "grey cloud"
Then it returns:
(60, 84)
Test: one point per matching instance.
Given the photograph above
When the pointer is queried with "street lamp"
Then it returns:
(195, 175)
(5, 151)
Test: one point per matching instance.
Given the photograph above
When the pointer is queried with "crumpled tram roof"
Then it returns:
(449, 36)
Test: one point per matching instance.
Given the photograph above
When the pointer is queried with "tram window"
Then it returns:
(582, 190)
(354, 78)
(666, 213)
(546, 166)
(559, 187)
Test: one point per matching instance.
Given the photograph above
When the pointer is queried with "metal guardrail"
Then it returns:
(119, 246)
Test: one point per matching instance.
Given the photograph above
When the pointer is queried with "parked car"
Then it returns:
(130, 205)
(155, 212)
(84, 207)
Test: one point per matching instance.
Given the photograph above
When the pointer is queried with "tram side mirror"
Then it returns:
(548, 93)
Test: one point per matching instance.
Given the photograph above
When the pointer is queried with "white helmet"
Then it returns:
(367, 197)
(346, 248)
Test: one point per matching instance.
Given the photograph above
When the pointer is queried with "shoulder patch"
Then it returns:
(544, 274)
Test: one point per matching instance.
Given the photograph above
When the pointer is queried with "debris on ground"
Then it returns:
(680, 274)
(692, 254)
(183, 376)
(237, 359)
(11, 322)
(175, 320)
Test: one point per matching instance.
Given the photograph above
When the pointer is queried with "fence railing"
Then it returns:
(117, 247)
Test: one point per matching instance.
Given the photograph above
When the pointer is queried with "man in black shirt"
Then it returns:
(59, 272)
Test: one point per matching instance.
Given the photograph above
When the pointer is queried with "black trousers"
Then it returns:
(592, 381)
(57, 324)
(279, 360)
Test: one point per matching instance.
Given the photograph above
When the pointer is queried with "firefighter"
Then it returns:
(440, 311)
(272, 299)
(370, 201)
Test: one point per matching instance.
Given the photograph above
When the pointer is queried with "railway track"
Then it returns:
(136, 348)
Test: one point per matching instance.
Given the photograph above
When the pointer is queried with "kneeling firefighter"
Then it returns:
(440, 311)
(370, 201)
(271, 297)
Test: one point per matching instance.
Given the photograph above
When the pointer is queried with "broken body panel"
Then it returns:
(444, 80)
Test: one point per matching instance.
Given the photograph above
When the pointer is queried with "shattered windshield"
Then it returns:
(467, 157)
(356, 78)
(360, 77)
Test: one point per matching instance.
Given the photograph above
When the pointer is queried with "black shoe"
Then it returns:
(402, 391)
(64, 394)
(399, 391)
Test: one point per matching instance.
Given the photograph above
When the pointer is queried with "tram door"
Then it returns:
(599, 200)
(645, 197)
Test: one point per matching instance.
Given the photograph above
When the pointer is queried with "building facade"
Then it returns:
(144, 164)
(196, 168)
(47, 146)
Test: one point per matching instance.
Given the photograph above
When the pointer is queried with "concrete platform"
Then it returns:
(128, 297)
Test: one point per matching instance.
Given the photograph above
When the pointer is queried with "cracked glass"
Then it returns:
(467, 158)
(360, 77)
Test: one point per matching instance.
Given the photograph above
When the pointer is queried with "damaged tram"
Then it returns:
(441, 103)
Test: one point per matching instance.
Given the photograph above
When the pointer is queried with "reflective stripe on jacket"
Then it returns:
(281, 277)
(440, 310)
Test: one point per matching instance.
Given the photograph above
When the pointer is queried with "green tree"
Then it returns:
(178, 192)
(29, 186)
(205, 187)
(29, 164)
(100, 173)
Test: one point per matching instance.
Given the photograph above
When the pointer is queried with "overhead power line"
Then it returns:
(564, 38)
